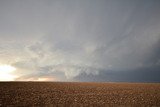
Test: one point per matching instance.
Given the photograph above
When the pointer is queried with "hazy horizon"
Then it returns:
(80, 40)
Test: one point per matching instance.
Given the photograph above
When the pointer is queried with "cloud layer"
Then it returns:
(81, 40)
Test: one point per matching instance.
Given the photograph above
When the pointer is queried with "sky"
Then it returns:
(80, 40)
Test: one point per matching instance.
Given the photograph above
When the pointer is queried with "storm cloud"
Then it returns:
(81, 40)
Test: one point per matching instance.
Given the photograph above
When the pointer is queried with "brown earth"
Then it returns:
(72, 94)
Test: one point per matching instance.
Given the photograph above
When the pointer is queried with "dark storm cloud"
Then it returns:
(107, 40)
(150, 74)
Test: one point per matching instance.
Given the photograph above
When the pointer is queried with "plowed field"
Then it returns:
(74, 94)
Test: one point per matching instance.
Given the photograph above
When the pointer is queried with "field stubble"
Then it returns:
(73, 94)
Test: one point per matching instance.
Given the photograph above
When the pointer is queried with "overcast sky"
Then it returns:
(81, 40)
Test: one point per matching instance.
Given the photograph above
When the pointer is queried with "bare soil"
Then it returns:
(74, 94)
